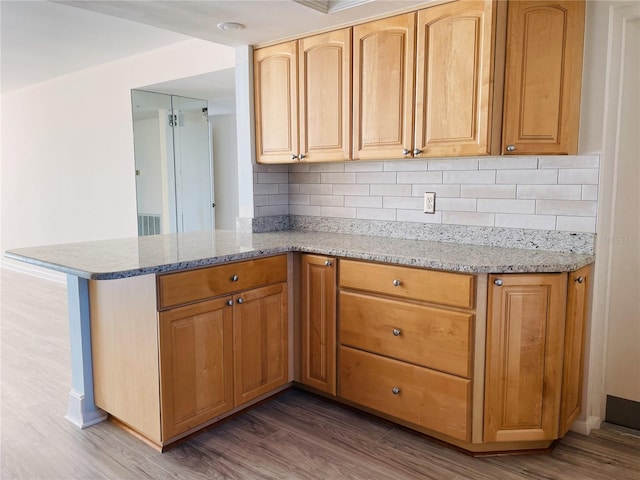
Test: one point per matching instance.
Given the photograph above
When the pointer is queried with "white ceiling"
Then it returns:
(41, 40)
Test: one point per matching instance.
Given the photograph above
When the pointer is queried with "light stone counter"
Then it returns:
(128, 257)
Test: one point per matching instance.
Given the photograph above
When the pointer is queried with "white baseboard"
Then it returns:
(34, 271)
(584, 427)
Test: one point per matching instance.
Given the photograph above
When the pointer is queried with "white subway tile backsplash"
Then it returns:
(279, 199)
(589, 192)
(536, 222)
(296, 199)
(278, 168)
(341, 212)
(467, 176)
(376, 214)
(576, 224)
(455, 204)
(507, 163)
(316, 188)
(260, 200)
(418, 216)
(577, 208)
(327, 167)
(488, 191)
(304, 177)
(420, 177)
(299, 167)
(439, 189)
(549, 192)
(376, 177)
(358, 166)
(506, 206)
(273, 177)
(266, 188)
(403, 202)
(406, 165)
(391, 190)
(528, 177)
(583, 176)
(260, 168)
(362, 201)
(291, 188)
(454, 164)
(348, 189)
(468, 218)
(271, 210)
(569, 161)
(338, 177)
(309, 210)
(331, 200)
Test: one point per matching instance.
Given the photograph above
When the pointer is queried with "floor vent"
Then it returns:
(148, 224)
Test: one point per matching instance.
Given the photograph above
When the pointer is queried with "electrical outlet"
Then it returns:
(429, 202)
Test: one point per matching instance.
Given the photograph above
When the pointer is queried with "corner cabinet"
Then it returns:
(303, 99)
(545, 41)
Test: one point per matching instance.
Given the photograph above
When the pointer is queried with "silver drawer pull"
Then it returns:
(498, 282)
(395, 390)
(580, 279)
(234, 278)
(327, 263)
(396, 283)
(240, 300)
(230, 303)
(396, 332)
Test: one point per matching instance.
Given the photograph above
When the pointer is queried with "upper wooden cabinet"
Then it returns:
(525, 331)
(454, 79)
(383, 74)
(303, 99)
(543, 77)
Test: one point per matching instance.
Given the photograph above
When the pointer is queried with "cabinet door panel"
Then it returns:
(383, 56)
(454, 79)
(196, 348)
(319, 323)
(325, 96)
(525, 328)
(573, 366)
(276, 102)
(261, 341)
(543, 76)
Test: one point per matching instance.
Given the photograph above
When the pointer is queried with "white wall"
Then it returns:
(225, 168)
(67, 158)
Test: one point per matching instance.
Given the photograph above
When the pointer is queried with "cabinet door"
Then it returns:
(525, 333)
(543, 77)
(319, 323)
(196, 364)
(325, 96)
(261, 341)
(454, 79)
(276, 102)
(383, 71)
(579, 289)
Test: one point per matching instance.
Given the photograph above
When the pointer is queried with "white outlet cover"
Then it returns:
(429, 202)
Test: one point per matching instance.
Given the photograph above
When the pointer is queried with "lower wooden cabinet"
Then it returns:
(318, 323)
(525, 343)
(261, 343)
(196, 364)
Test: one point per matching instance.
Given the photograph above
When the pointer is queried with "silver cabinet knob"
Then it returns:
(395, 390)
(294, 157)
(497, 282)
(301, 156)
(417, 151)
(511, 148)
(396, 283)
(328, 263)
(579, 279)
(230, 303)
(240, 300)
(396, 332)
(234, 278)
(406, 151)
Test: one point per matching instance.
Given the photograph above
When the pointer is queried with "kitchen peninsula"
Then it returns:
(478, 346)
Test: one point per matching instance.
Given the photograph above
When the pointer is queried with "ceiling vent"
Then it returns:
(331, 6)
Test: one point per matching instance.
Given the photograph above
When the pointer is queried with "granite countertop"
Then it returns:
(109, 259)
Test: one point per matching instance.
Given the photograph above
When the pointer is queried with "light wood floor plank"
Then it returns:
(295, 436)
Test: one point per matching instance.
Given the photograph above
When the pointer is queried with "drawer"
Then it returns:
(194, 285)
(433, 400)
(446, 288)
(428, 336)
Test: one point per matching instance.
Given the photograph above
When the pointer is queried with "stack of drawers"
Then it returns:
(406, 337)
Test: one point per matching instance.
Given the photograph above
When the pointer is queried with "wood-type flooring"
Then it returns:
(294, 436)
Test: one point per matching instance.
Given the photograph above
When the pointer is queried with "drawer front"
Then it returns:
(432, 337)
(446, 288)
(434, 400)
(194, 285)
